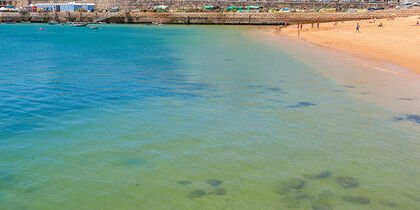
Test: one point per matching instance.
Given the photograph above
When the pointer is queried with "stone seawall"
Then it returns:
(205, 18)
(180, 4)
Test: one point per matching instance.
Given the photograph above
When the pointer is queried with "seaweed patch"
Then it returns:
(301, 104)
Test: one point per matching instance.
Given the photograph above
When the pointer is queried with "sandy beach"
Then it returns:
(396, 41)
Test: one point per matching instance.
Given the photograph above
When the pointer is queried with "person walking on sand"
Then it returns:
(357, 27)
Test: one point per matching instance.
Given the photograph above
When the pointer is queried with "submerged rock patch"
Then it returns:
(213, 182)
(301, 195)
(323, 201)
(390, 204)
(294, 183)
(218, 191)
(301, 104)
(6, 177)
(411, 118)
(322, 175)
(321, 205)
(133, 162)
(274, 100)
(255, 86)
(405, 99)
(291, 202)
(196, 194)
(356, 200)
(183, 182)
(347, 182)
(273, 89)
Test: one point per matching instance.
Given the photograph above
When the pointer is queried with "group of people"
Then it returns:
(300, 27)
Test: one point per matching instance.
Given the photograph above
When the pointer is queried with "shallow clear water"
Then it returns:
(190, 117)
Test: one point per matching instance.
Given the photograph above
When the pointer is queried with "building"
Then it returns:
(65, 7)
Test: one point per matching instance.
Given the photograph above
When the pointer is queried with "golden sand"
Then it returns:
(397, 41)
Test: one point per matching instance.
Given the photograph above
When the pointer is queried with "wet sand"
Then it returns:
(396, 42)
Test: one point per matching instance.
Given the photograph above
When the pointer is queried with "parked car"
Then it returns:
(405, 5)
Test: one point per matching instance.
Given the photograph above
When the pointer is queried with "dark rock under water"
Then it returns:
(321, 205)
(183, 182)
(218, 191)
(405, 99)
(347, 182)
(411, 118)
(133, 162)
(356, 200)
(255, 86)
(301, 104)
(322, 202)
(390, 204)
(273, 89)
(322, 175)
(213, 182)
(196, 194)
(290, 202)
(294, 183)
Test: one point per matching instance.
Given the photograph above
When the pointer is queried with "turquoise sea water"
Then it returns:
(192, 117)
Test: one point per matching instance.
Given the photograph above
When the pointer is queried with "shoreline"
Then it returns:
(373, 46)
(356, 73)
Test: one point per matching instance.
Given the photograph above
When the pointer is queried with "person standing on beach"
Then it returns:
(357, 27)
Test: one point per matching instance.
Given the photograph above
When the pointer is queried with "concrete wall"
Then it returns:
(204, 18)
